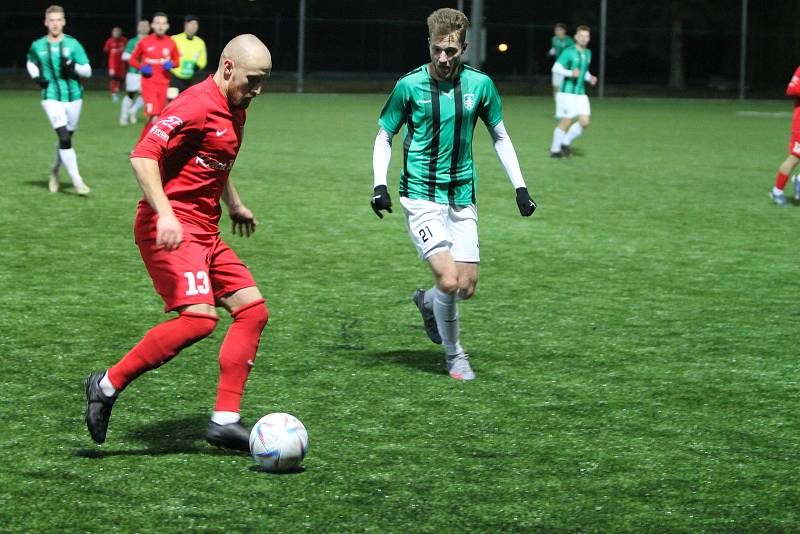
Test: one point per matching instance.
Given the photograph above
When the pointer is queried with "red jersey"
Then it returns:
(114, 48)
(793, 89)
(154, 50)
(195, 143)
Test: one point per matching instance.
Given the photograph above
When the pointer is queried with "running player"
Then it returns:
(113, 48)
(440, 103)
(789, 164)
(55, 62)
(183, 166)
(571, 99)
(560, 42)
(193, 57)
(133, 101)
(154, 56)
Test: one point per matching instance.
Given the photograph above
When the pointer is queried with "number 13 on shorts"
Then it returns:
(197, 283)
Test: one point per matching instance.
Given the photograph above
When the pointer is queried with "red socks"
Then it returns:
(161, 344)
(238, 353)
(780, 180)
(236, 356)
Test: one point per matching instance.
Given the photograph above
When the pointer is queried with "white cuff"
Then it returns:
(506, 154)
(381, 156)
(85, 71)
(558, 68)
(33, 69)
(588, 76)
(126, 56)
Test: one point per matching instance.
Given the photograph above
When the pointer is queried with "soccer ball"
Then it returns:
(278, 442)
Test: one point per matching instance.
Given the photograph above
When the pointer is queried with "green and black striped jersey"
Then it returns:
(571, 59)
(47, 56)
(440, 118)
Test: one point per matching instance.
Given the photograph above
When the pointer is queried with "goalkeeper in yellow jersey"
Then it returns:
(193, 57)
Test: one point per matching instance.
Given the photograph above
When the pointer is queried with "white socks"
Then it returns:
(137, 105)
(70, 161)
(574, 131)
(225, 418)
(125, 110)
(107, 387)
(558, 140)
(445, 310)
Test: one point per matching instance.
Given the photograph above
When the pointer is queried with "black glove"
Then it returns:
(41, 82)
(525, 203)
(381, 200)
(68, 69)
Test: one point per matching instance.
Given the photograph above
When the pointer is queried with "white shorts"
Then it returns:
(556, 79)
(569, 106)
(434, 228)
(63, 113)
(133, 82)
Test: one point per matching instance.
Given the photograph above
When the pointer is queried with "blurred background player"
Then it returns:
(789, 164)
(177, 232)
(133, 101)
(443, 100)
(55, 62)
(571, 99)
(154, 56)
(558, 44)
(114, 48)
(193, 57)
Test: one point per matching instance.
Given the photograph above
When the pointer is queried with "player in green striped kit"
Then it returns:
(55, 62)
(439, 103)
(571, 99)
(133, 101)
(560, 42)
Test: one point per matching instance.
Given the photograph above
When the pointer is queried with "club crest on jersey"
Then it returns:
(469, 101)
(165, 51)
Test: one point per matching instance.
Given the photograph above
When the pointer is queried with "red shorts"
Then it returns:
(794, 144)
(200, 271)
(155, 98)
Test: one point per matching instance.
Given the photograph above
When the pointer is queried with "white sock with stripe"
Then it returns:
(445, 310)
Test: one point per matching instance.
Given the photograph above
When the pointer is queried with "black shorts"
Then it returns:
(180, 83)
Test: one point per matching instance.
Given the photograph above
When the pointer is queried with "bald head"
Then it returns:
(244, 65)
(246, 51)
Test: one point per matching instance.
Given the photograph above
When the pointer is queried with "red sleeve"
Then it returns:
(175, 54)
(181, 119)
(793, 88)
(107, 45)
(134, 59)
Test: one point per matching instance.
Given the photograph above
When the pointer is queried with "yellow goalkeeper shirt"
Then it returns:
(193, 56)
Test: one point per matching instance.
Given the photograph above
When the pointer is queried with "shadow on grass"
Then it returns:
(429, 361)
(64, 188)
(294, 471)
(174, 436)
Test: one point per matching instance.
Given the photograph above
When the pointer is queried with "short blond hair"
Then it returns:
(445, 21)
(54, 9)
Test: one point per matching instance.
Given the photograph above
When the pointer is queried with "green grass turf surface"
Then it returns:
(635, 341)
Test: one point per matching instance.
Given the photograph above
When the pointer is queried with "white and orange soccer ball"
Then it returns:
(278, 442)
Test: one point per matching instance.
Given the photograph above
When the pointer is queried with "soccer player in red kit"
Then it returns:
(154, 56)
(785, 170)
(114, 47)
(182, 166)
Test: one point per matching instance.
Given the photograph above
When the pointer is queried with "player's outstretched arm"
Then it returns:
(381, 156)
(504, 149)
(169, 232)
(244, 223)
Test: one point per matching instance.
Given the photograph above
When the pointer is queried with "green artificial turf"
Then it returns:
(635, 341)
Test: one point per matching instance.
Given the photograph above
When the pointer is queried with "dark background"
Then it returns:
(367, 39)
